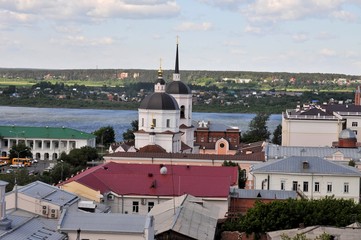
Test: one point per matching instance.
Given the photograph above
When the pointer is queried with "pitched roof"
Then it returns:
(147, 180)
(152, 148)
(103, 222)
(263, 194)
(193, 217)
(32, 228)
(273, 151)
(184, 156)
(314, 165)
(313, 231)
(43, 132)
(48, 193)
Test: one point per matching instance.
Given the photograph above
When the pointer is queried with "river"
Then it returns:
(89, 120)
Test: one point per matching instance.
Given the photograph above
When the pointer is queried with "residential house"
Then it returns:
(110, 226)
(30, 213)
(137, 188)
(311, 177)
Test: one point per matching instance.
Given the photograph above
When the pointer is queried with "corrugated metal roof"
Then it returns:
(103, 222)
(263, 194)
(32, 228)
(43, 132)
(45, 192)
(315, 231)
(193, 217)
(315, 165)
(147, 180)
(273, 151)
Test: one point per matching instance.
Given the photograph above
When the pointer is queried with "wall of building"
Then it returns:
(337, 182)
(32, 205)
(72, 235)
(310, 133)
(82, 191)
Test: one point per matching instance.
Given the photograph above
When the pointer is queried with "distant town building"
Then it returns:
(46, 143)
(215, 138)
(320, 125)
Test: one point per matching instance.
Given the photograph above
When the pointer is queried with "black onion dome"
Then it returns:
(160, 80)
(159, 101)
(177, 87)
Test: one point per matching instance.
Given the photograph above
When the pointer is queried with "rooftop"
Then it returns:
(48, 193)
(43, 132)
(193, 217)
(147, 179)
(103, 222)
(315, 165)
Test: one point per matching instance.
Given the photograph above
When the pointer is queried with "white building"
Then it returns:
(46, 143)
(311, 128)
(165, 117)
(311, 177)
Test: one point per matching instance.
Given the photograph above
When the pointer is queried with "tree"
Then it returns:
(277, 135)
(129, 134)
(258, 130)
(105, 136)
(242, 178)
(352, 163)
(20, 150)
(80, 156)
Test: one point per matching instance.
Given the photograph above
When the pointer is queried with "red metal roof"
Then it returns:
(146, 179)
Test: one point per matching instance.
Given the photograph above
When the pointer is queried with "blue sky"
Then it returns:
(237, 35)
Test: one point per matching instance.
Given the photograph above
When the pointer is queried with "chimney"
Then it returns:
(5, 223)
(305, 165)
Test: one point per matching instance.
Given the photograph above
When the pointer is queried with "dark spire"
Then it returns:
(176, 60)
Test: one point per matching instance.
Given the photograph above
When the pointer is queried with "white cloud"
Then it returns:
(327, 52)
(285, 10)
(300, 37)
(9, 18)
(86, 10)
(83, 41)
(191, 26)
(253, 29)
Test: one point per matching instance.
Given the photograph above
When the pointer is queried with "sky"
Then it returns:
(314, 36)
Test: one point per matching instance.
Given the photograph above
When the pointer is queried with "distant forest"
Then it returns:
(143, 75)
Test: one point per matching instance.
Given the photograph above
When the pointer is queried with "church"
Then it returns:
(165, 117)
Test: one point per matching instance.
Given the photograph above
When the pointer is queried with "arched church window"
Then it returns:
(182, 109)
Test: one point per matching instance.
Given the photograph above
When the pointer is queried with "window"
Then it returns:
(142, 122)
(154, 122)
(135, 207)
(345, 188)
(355, 132)
(329, 187)
(182, 109)
(294, 185)
(283, 184)
(317, 186)
(305, 186)
(354, 124)
(150, 206)
(168, 123)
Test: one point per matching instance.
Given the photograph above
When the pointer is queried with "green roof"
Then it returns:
(43, 132)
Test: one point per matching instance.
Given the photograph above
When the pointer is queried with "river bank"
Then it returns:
(262, 105)
(89, 120)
